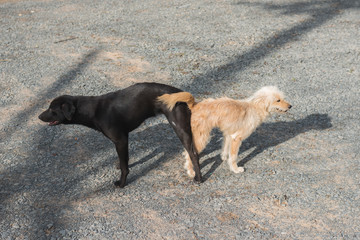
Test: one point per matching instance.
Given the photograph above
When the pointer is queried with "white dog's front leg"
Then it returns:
(234, 150)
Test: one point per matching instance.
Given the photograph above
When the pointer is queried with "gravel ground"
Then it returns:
(302, 178)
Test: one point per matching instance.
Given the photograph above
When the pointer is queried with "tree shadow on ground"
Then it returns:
(37, 173)
(271, 135)
(319, 12)
(55, 89)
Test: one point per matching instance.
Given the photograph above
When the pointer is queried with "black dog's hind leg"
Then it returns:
(123, 154)
(179, 119)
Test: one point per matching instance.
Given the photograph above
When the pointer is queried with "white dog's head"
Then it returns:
(271, 98)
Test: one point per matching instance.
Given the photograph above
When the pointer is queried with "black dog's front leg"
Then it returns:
(123, 154)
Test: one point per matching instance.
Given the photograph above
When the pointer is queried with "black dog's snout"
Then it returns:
(42, 116)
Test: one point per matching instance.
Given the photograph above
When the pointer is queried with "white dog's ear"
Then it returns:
(262, 101)
(267, 102)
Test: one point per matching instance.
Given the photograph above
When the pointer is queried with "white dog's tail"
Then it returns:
(170, 100)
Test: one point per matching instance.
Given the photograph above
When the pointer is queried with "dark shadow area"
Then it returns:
(167, 144)
(215, 161)
(319, 13)
(268, 135)
(273, 134)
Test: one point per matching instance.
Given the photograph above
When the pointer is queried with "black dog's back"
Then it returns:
(131, 106)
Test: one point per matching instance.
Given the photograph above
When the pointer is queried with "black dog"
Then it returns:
(117, 113)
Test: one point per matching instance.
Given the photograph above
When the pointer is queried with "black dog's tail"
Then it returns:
(171, 99)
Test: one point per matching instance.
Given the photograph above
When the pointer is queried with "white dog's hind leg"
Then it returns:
(188, 165)
(226, 147)
(234, 150)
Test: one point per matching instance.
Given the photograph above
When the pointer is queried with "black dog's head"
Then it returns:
(61, 110)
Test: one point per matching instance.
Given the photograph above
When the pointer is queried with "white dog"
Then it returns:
(237, 119)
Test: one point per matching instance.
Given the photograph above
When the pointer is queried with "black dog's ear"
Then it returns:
(68, 109)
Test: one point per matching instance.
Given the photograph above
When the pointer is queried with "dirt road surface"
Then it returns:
(302, 169)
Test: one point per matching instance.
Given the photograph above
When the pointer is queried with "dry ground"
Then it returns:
(302, 177)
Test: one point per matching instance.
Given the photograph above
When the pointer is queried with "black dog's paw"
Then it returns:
(198, 180)
(119, 184)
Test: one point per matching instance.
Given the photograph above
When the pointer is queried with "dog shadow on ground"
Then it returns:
(266, 136)
(166, 149)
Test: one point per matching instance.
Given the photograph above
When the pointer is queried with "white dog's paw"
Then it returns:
(224, 156)
(237, 169)
(191, 173)
(189, 169)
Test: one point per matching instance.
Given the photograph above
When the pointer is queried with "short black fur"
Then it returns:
(117, 113)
